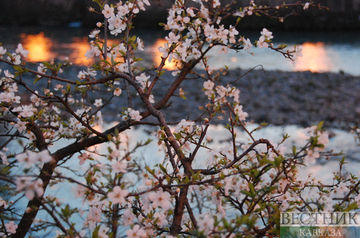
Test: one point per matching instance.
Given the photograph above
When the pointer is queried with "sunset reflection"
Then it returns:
(157, 55)
(314, 58)
(39, 47)
(79, 47)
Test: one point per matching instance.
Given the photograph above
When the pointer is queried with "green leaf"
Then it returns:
(66, 211)
(352, 206)
(95, 233)
(162, 168)
(320, 126)
(37, 79)
(282, 46)
(252, 190)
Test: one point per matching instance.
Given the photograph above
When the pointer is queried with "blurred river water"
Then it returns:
(321, 52)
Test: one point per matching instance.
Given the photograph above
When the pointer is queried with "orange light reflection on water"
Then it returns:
(157, 55)
(314, 58)
(79, 47)
(39, 47)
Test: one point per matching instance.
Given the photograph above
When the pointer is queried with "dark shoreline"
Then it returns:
(54, 13)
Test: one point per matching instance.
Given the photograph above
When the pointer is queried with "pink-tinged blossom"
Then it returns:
(343, 189)
(103, 232)
(44, 156)
(190, 12)
(128, 217)
(8, 74)
(108, 11)
(83, 157)
(151, 98)
(164, 51)
(161, 219)
(185, 126)
(94, 51)
(223, 50)
(98, 102)
(35, 100)
(247, 43)
(119, 49)
(20, 125)
(132, 114)
(117, 91)
(216, 3)
(323, 138)
(94, 33)
(122, 9)
(15, 59)
(3, 203)
(146, 2)
(21, 183)
(186, 19)
(172, 38)
(262, 44)
(311, 157)
(140, 44)
(136, 232)
(123, 67)
(119, 166)
(11, 227)
(34, 189)
(94, 215)
(232, 33)
(41, 68)
(2, 51)
(357, 200)
(3, 158)
(221, 91)
(267, 34)
(306, 6)
(160, 199)
(28, 158)
(80, 191)
(235, 93)
(240, 113)
(20, 50)
(142, 79)
(116, 25)
(82, 75)
(115, 154)
(206, 224)
(25, 110)
(9, 97)
(118, 195)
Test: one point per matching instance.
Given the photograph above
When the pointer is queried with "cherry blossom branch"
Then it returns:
(236, 159)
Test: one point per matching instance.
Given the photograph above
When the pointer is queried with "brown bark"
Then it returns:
(179, 211)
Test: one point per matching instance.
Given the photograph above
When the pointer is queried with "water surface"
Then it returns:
(321, 52)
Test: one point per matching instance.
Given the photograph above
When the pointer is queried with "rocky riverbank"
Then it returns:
(276, 97)
(280, 98)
